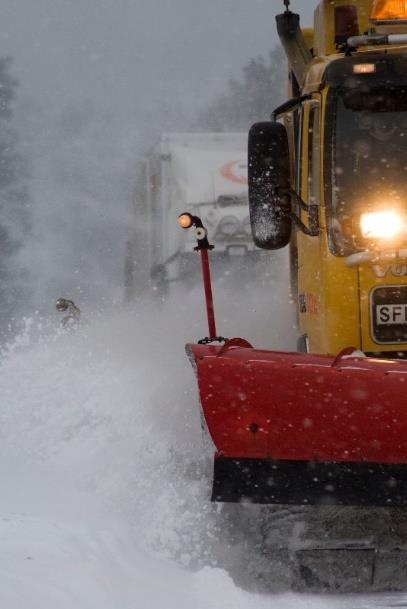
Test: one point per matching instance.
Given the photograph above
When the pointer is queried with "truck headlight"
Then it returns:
(382, 225)
(229, 226)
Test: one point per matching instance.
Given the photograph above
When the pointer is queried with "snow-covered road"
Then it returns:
(104, 491)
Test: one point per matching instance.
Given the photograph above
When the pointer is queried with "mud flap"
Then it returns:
(390, 571)
(349, 570)
(342, 570)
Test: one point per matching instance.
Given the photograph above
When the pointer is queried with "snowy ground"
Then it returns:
(104, 498)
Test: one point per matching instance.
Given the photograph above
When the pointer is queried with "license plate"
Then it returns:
(389, 314)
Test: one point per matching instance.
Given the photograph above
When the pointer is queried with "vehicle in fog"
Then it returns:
(204, 174)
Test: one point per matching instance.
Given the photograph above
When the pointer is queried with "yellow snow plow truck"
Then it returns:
(325, 429)
(331, 181)
(328, 176)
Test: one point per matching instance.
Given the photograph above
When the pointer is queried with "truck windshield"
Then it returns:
(368, 153)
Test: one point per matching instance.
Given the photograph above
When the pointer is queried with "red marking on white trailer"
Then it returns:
(235, 171)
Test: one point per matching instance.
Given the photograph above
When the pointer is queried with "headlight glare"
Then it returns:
(381, 225)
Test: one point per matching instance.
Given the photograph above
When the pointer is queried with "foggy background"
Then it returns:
(98, 81)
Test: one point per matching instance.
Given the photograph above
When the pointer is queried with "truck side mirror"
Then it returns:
(269, 185)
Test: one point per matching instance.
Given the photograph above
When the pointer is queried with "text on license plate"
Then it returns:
(391, 314)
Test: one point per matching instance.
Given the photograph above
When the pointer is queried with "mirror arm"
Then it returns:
(298, 201)
(289, 106)
(310, 231)
(313, 212)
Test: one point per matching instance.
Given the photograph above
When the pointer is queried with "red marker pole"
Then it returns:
(210, 311)
(187, 220)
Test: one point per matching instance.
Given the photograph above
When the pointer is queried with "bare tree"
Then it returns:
(14, 215)
(249, 99)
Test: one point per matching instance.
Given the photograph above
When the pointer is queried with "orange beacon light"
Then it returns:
(385, 11)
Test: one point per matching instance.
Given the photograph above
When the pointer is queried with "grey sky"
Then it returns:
(128, 52)
(127, 69)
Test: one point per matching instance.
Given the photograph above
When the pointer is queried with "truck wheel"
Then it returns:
(302, 344)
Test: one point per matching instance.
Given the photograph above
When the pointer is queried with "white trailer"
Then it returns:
(204, 174)
(201, 173)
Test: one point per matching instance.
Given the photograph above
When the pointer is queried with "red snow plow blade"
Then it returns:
(294, 428)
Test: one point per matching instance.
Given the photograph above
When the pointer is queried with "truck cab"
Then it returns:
(327, 176)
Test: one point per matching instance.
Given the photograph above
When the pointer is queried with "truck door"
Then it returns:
(310, 293)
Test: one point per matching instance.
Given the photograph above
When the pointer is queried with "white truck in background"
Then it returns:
(201, 173)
